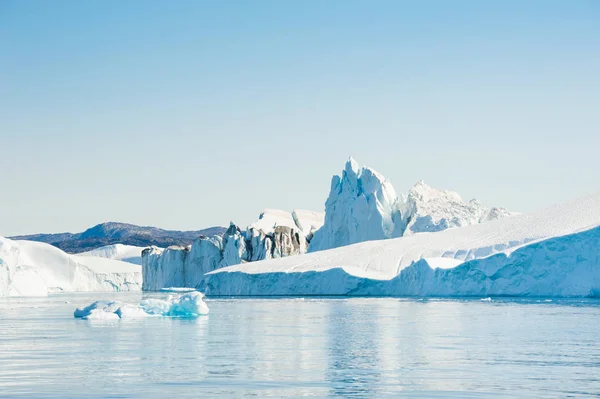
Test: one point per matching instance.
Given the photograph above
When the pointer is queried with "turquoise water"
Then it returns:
(329, 348)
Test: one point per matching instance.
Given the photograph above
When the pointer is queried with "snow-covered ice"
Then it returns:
(29, 268)
(553, 252)
(190, 304)
(426, 209)
(125, 253)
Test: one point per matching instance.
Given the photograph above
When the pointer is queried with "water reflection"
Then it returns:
(353, 350)
(349, 348)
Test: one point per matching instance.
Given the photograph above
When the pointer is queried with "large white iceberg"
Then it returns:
(554, 252)
(29, 268)
(362, 206)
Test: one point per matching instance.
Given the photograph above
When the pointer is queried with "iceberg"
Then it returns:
(553, 252)
(362, 206)
(29, 268)
(190, 304)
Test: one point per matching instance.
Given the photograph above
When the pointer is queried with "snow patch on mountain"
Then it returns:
(362, 206)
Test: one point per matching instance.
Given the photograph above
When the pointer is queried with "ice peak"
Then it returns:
(428, 209)
(362, 205)
(420, 185)
(352, 167)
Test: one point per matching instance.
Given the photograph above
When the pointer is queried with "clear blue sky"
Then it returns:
(188, 114)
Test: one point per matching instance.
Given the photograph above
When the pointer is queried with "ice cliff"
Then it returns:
(553, 252)
(275, 234)
(29, 268)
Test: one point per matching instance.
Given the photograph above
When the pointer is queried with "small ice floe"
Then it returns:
(185, 305)
(488, 299)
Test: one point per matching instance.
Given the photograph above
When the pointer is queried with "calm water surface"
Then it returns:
(329, 348)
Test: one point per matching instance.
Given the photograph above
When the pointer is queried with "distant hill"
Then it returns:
(120, 233)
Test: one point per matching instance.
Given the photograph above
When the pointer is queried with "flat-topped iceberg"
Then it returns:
(553, 252)
(190, 304)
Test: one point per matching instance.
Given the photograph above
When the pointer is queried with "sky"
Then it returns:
(190, 114)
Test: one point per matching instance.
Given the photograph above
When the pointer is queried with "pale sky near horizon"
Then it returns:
(190, 114)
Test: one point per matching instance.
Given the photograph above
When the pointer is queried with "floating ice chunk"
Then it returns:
(185, 305)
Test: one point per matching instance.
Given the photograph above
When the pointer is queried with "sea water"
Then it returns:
(304, 347)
